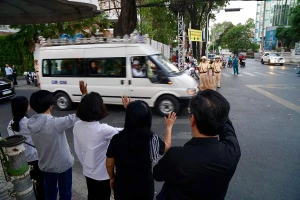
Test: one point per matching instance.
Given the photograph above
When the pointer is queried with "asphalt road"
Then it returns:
(265, 111)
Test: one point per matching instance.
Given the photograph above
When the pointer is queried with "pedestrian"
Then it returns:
(203, 68)
(216, 67)
(229, 61)
(18, 126)
(91, 140)
(235, 64)
(132, 152)
(14, 75)
(48, 135)
(8, 72)
(204, 166)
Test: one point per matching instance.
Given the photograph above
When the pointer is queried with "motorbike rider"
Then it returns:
(216, 68)
(229, 61)
(241, 58)
(203, 68)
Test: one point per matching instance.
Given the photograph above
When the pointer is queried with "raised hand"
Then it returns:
(170, 120)
(207, 82)
(83, 87)
(125, 101)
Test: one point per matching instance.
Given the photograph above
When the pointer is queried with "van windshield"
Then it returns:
(167, 65)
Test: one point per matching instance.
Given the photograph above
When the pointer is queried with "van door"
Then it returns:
(107, 76)
(144, 79)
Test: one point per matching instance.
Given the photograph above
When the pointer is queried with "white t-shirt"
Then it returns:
(91, 140)
(137, 73)
(30, 152)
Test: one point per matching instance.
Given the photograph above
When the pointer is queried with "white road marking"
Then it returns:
(274, 97)
(249, 74)
(272, 73)
(261, 74)
(224, 74)
(287, 73)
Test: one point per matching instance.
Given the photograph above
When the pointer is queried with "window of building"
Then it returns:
(106, 67)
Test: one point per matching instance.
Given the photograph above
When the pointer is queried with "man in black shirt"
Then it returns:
(204, 166)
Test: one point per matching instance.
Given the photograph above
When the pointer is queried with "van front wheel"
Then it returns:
(62, 101)
(167, 104)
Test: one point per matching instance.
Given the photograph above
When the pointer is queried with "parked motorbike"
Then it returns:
(224, 64)
(30, 77)
(243, 63)
(190, 69)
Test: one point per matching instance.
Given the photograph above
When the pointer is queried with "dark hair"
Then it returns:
(40, 101)
(19, 107)
(137, 127)
(91, 108)
(210, 110)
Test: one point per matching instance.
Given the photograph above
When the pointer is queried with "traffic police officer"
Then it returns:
(203, 68)
(216, 67)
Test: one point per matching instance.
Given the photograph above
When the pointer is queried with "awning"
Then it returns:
(46, 11)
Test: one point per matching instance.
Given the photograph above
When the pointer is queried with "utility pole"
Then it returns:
(263, 28)
(206, 36)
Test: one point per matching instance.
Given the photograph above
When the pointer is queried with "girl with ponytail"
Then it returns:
(18, 126)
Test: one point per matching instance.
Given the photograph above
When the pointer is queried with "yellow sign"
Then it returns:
(195, 35)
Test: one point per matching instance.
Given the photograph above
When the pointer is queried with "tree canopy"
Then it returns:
(239, 38)
(218, 31)
(159, 22)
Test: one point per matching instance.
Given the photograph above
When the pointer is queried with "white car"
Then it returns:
(272, 58)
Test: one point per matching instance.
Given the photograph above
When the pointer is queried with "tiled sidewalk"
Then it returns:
(4, 186)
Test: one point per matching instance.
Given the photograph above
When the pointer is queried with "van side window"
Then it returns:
(146, 68)
(63, 67)
(107, 67)
(138, 67)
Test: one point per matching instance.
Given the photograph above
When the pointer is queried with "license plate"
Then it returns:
(6, 92)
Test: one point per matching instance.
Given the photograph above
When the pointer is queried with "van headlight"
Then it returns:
(191, 91)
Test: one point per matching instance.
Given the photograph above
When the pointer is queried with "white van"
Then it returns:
(107, 68)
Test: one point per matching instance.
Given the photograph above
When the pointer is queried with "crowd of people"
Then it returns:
(120, 159)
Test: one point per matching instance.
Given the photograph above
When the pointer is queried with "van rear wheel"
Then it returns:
(62, 101)
(167, 104)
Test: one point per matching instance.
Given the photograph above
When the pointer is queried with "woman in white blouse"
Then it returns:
(91, 140)
(18, 126)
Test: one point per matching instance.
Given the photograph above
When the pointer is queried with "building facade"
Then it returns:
(276, 13)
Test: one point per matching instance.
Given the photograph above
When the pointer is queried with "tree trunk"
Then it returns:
(127, 19)
(194, 47)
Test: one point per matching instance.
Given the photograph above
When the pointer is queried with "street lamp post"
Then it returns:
(226, 10)
(207, 33)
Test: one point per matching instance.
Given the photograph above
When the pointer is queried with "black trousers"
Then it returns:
(10, 77)
(37, 175)
(15, 79)
(98, 189)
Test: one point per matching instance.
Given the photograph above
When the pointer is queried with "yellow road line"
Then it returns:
(275, 98)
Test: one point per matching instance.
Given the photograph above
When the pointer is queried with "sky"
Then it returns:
(248, 11)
